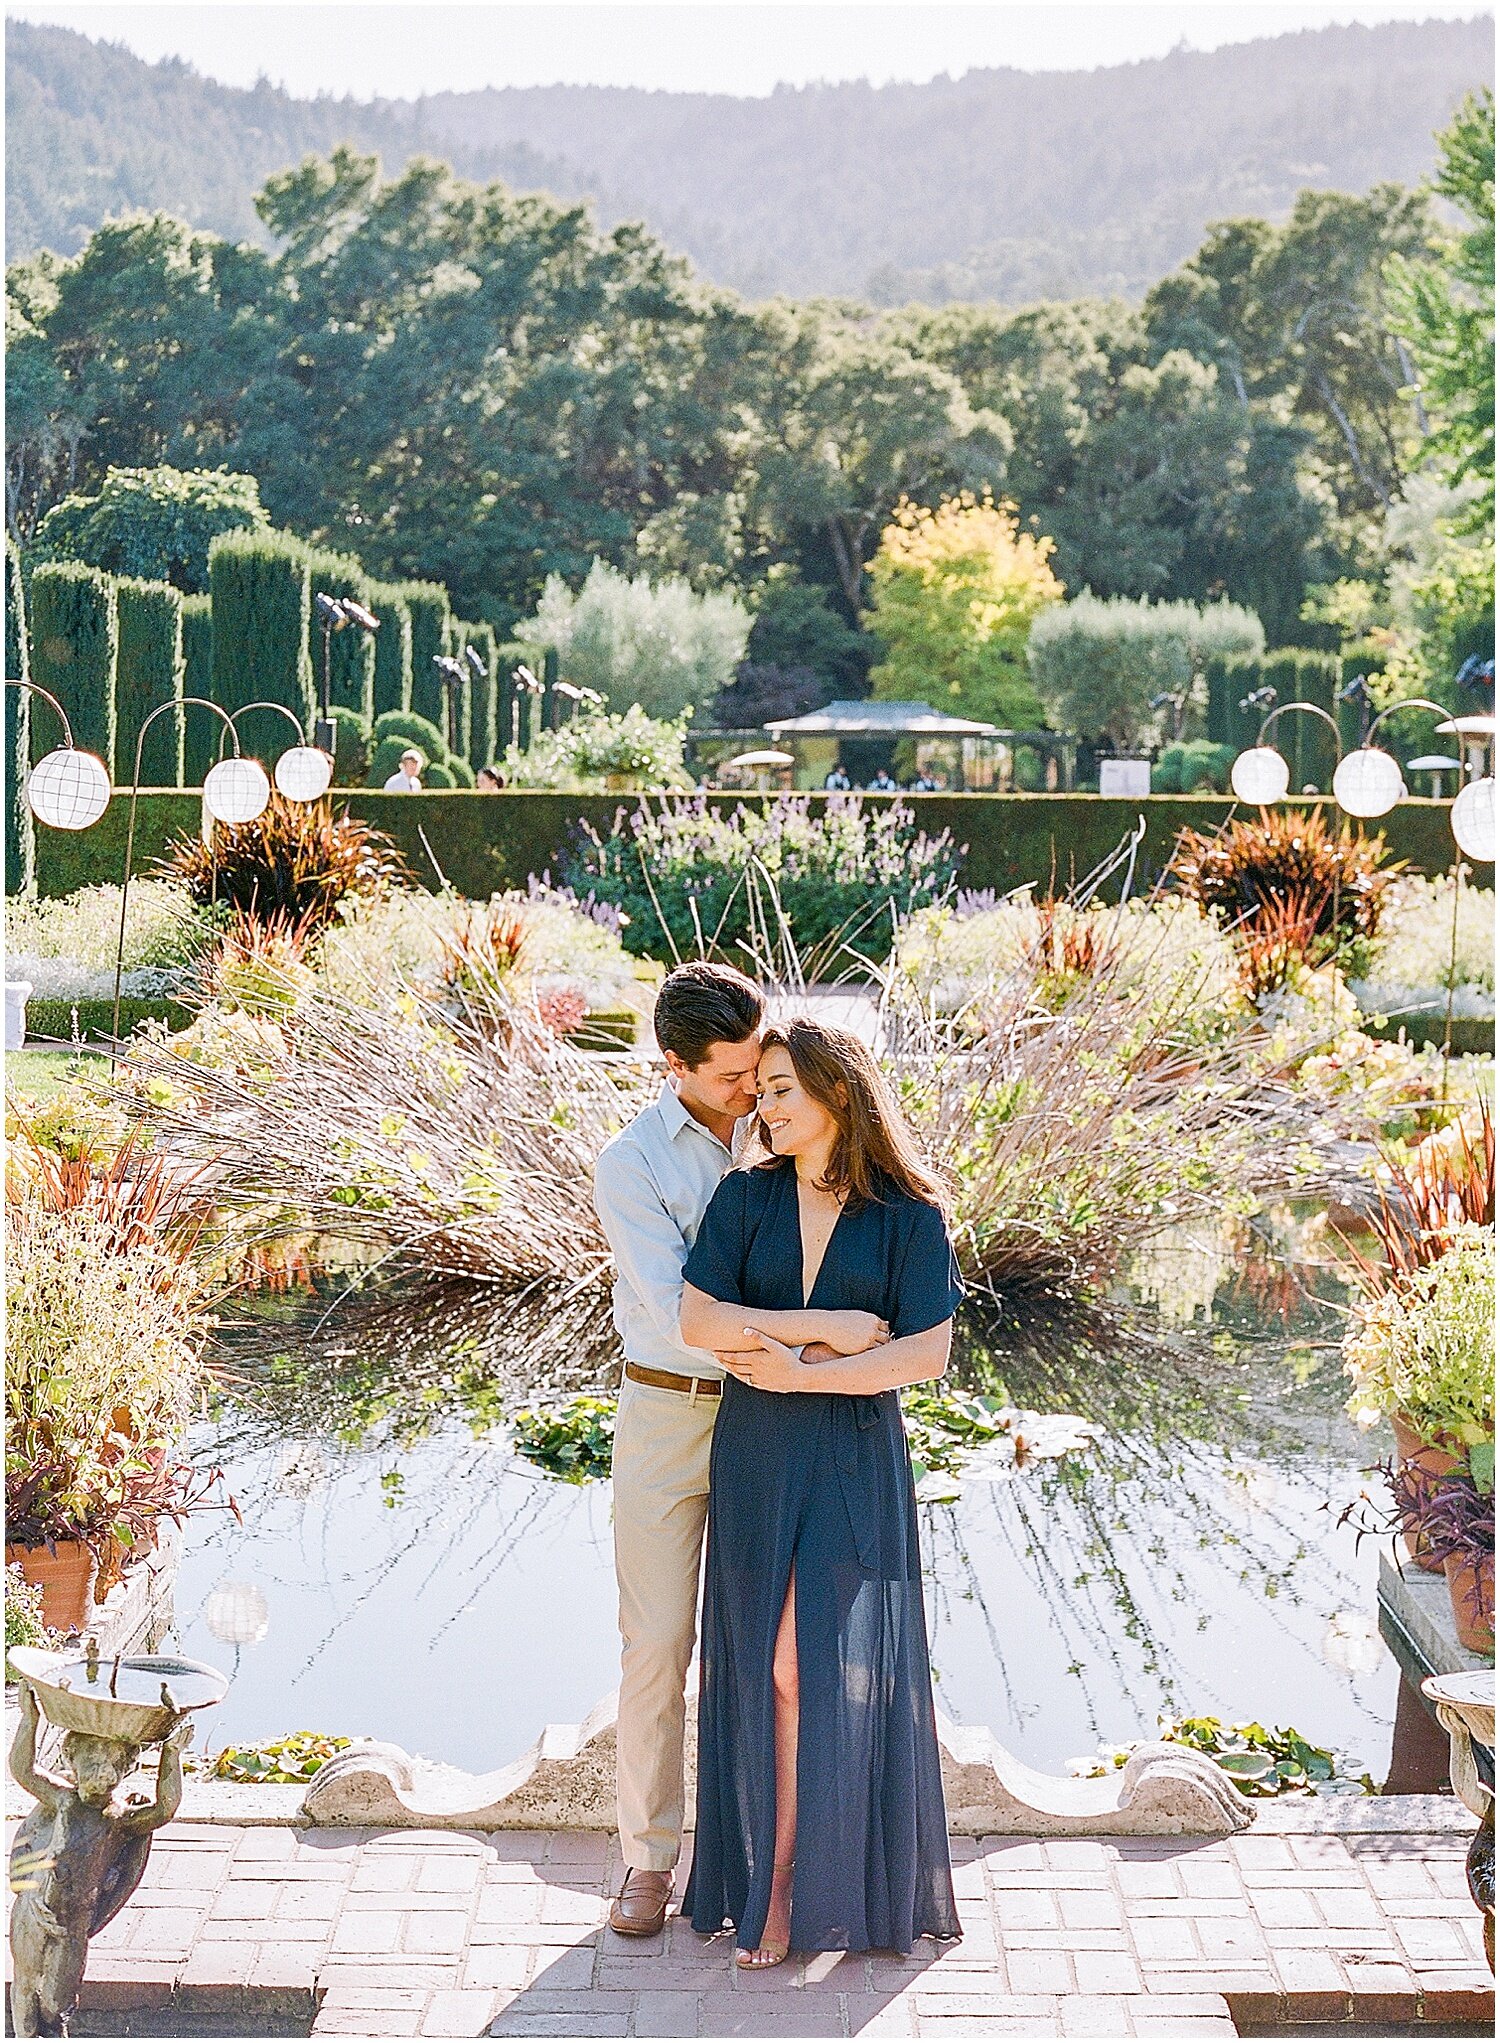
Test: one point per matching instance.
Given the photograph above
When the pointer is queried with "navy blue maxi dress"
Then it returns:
(821, 1484)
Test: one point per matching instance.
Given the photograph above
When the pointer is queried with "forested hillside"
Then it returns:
(1000, 185)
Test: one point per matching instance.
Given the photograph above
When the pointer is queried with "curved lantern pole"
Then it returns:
(200, 702)
(66, 789)
(303, 772)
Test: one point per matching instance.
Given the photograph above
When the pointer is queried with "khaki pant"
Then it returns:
(662, 1440)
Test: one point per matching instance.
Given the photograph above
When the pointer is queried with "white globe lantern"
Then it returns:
(303, 773)
(1368, 782)
(1473, 820)
(1260, 775)
(68, 789)
(237, 1613)
(236, 790)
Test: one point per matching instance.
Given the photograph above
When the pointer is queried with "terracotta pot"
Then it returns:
(1476, 1626)
(65, 1577)
(1431, 1456)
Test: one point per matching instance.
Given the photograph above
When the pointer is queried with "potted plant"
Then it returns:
(105, 1332)
(1420, 1353)
(1453, 1519)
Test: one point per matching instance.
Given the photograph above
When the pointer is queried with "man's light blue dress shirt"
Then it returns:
(652, 1185)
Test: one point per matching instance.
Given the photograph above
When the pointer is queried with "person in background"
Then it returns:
(837, 781)
(883, 784)
(407, 779)
(490, 780)
(924, 784)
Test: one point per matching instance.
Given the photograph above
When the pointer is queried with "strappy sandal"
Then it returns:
(765, 1956)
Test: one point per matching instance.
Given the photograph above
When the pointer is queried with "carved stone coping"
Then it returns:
(567, 1782)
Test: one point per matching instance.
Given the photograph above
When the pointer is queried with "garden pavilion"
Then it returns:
(969, 754)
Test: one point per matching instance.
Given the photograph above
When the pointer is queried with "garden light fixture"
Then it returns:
(1260, 775)
(1367, 782)
(66, 789)
(1473, 820)
(236, 790)
(335, 613)
(303, 772)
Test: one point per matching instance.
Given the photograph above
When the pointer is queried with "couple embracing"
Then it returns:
(783, 1267)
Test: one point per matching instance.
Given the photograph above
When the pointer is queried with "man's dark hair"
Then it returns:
(700, 1005)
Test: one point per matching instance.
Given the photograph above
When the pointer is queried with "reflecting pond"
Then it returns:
(400, 1572)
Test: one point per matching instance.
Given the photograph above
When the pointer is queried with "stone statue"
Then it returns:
(77, 1858)
(1465, 1705)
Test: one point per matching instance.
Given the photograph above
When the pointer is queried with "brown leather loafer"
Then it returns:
(640, 1908)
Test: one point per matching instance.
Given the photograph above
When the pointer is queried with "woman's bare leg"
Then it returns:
(777, 1933)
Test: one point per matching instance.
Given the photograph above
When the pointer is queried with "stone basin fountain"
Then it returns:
(80, 1853)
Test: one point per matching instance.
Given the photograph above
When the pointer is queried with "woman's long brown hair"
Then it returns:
(873, 1150)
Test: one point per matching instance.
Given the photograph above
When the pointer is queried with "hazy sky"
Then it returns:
(401, 50)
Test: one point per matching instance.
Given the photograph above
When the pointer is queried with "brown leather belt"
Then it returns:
(668, 1379)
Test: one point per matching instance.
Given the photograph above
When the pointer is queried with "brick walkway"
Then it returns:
(444, 1933)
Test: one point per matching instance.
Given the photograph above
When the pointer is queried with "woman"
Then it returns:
(820, 1803)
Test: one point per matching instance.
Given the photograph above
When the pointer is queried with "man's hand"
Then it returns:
(768, 1367)
(853, 1333)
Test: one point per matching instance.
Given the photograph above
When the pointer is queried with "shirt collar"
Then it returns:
(676, 1117)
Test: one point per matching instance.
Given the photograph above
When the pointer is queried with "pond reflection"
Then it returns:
(426, 1586)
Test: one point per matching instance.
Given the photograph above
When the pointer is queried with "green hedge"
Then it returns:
(201, 729)
(20, 830)
(57, 1020)
(351, 652)
(74, 640)
(431, 631)
(484, 842)
(392, 648)
(260, 586)
(149, 672)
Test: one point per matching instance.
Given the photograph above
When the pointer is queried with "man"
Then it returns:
(407, 779)
(652, 1185)
(836, 780)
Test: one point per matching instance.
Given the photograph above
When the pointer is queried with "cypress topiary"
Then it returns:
(149, 673)
(261, 590)
(507, 701)
(483, 729)
(20, 844)
(351, 651)
(430, 635)
(201, 729)
(439, 773)
(392, 648)
(74, 641)
(461, 771)
(352, 743)
(411, 729)
(1305, 741)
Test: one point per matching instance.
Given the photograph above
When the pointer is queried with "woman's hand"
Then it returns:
(852, 1333)
(769, 1366)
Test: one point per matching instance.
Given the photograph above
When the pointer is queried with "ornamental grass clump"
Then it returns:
(1288, 888)
(693, 880)
(295, 861)
(65, 947)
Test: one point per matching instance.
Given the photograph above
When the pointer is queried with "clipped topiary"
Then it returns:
(149, 672)
(412, 730)
(201, 729)
(483, 736)
(438, 773)
(351, 651)
(351, 748)
(392, 648)
(461, 772)
(74, 643)
(431, 619)
(261, 589)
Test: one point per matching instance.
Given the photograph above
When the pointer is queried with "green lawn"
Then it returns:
(38, 1074)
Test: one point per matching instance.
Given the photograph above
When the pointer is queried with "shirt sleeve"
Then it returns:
(928, 1287)
(646, 1242)
(716, 1261)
